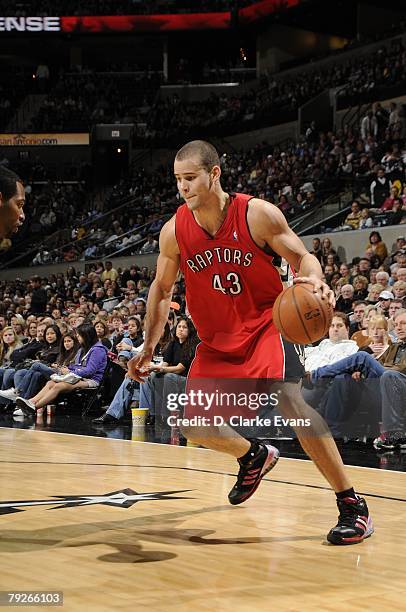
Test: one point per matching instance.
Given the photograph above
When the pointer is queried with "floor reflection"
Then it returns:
(353, 452)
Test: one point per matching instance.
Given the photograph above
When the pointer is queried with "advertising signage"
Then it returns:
(143, 23)
(44, 140)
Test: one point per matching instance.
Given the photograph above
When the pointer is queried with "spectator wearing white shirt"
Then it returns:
(335, 347)
(150, 246)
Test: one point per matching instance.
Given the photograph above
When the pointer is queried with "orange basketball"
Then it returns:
(301, 315)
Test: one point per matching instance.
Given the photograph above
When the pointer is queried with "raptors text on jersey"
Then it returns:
(231, 283)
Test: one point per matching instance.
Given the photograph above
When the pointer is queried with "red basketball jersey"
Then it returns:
(231, 284)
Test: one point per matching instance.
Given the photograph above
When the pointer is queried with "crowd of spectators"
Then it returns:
(370, 294)
(80, 100)
(367, 165)
(277, 98)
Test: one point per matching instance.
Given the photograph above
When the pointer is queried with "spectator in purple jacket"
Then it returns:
(87, 371)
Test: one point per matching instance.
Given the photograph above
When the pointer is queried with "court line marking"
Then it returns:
(61, 433)
(190, 469)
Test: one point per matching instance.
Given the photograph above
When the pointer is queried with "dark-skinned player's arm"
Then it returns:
(270, 224)
(159, 300)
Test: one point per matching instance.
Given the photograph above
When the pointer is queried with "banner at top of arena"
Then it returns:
(143, 23)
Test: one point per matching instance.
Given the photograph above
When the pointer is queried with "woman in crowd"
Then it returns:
(360, 284)
(327, 249)
(116, 326)
(376, 246)
(361, 337)
(378, 338)
(374, 291)
(86, 372)
(31, 331)
(18, 324)
(103, 333)
(9, 342)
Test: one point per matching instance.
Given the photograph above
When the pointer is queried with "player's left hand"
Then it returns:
(319, 287)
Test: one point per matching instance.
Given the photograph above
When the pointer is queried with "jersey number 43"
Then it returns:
(231, 286)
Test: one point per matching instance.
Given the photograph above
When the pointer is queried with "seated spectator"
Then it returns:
(111, 301)
(109, 273)
(131, 339)
(102, 332)
(401, 274)
(327, 249)
(378, 339)
(335, 347)
(353, 218)
(374, 291)
(356, 319)
(376, 247)
(399, 289)
(385, 298)
(382, 278)
(361, 337)
(392, 200)
(9, 342)
(18, 324)
(344, 272)
(87, 372)
(360, 284)
(366, 220)
(150, 246)
(344, 302)
(394, 308)
(316, 251)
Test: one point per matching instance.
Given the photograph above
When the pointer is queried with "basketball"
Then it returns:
(301, 315)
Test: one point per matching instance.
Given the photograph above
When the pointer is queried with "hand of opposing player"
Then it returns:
(139, 366)
(319, 287)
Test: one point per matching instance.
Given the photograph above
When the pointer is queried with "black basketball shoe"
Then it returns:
(252, 472)
(354, 523)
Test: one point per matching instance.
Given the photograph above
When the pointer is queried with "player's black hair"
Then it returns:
(202, 149)
(8, 183)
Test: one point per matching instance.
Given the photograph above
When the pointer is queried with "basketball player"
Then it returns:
(12, 200)
(228, 247)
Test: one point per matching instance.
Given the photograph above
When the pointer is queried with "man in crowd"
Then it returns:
(38, 297)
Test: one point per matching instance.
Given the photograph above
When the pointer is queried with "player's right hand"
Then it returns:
(139, 366)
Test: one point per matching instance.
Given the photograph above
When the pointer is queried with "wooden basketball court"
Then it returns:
(168, 539)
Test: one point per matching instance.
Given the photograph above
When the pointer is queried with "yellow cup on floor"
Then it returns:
(139, 416)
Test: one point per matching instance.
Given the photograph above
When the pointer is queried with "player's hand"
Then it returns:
(319, 287)
(139, 366)
(356, 375)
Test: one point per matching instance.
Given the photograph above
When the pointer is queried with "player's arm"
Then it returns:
(270, 226)
(159, 297)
